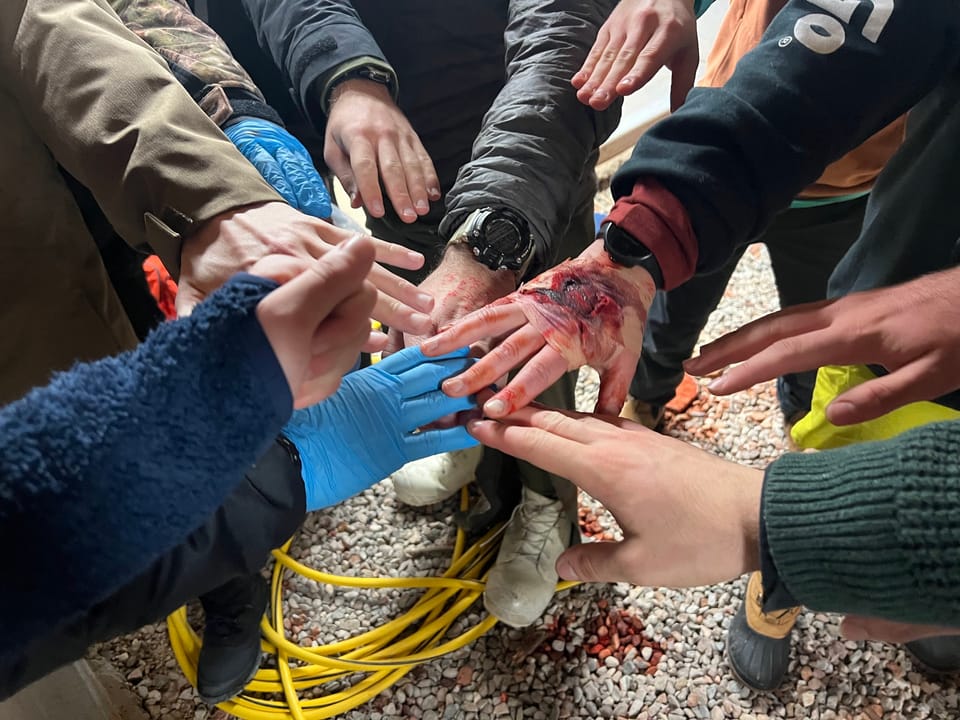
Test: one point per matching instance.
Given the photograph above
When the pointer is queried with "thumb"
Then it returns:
(595, 562)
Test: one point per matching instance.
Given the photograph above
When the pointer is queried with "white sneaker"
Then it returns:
(524, 577)
(435, 478)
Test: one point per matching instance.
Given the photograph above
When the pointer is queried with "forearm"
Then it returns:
(869, 528)
(734, 156)
(534, 147)
(113, 115)
(199, 59)
(118, 460)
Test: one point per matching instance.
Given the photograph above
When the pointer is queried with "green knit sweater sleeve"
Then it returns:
(871, 529)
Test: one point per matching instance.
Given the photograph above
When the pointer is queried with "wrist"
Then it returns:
(358, 87)
(638, 276)
(460, 256)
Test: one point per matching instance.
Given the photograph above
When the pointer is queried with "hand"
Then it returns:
(459, 286)
(586, 311)
(858, 627)
(369, 140)
(366, 431)
(688, 517)
(639, 38)
(910, 329)
(319, 320)
(284, 163)
(233, 241)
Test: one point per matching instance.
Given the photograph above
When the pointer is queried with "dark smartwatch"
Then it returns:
(625, 249)
(499, 238)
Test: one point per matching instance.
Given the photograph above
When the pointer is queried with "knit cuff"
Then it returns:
(870, 529)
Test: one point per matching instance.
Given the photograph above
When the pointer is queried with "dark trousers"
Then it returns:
(213, 563)
(805, 245)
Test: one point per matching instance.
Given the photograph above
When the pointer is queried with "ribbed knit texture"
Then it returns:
(116, 461)
(871, 529)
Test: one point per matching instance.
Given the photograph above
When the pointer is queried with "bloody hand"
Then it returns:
(586, 311)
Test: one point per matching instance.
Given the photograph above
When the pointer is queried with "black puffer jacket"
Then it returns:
(486, 86)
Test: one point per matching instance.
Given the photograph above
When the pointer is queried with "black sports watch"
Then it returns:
(499, 238)
(361, 72)
(625, 249)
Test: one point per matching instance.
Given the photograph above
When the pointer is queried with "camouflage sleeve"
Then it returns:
(198, 58)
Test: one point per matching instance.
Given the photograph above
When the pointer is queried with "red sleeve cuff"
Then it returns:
(654, 216)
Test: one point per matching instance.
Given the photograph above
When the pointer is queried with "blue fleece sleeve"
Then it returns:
(817, 85)
(116, 461)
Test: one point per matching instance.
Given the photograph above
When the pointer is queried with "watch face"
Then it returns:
(503, 234)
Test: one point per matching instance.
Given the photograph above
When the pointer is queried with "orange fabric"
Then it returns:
(740, 31)
(162, 286)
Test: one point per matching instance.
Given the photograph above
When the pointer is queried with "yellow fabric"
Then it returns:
(816, 432)
(776, 624)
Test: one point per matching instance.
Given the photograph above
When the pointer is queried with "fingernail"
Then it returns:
(425, 298)
(565, 569)
(434, 193)
(376, 208)
(473, 426)
(452, 387)
(717, 385)
(601, 95)
(353, 198)
(423, 206)
(427, 347)
(420, 319)
(495, 407)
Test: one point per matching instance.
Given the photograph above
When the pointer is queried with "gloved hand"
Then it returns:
(365, 431)
(284, 163)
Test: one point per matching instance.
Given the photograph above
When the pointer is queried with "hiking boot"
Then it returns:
(524, 577)
(434, 479)
(758, 643)
(647, 414)
(230, 654)
(939, 654)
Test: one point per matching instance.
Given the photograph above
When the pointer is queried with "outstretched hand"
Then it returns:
(639, 38)
(688, 517)
(585, 311)
(912, 330)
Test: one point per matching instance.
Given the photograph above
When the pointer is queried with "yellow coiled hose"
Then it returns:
(381, 656)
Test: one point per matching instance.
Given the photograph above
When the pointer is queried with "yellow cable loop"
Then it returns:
(383, 655)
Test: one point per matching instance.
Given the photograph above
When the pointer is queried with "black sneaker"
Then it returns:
(758, 643)
(230, 655)
(939, 654)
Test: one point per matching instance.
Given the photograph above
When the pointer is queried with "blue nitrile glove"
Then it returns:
(284, 163)
(364, 431)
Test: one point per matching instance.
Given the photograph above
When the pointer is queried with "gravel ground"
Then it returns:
(669, 663)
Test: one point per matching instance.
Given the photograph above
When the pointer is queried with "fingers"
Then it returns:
(593, 57)
(428, 376)
(434, 442)
(281, 268)
(363, 164)
(489, 321)
(396, 341)
(348, 322)
(395, 306)
(513, 351)
(336, 159)
(757, 335)
(684, 70)
(400, 289)
(598, 562)
(393, 173)
(553, 453)
(614, 384)
(311, 196)
(792, 354)
(411, 357)
(389, 253)
(922, 379)
(537, 375)
(427, 408)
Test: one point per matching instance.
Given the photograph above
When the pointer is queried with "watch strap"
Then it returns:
(625, 249)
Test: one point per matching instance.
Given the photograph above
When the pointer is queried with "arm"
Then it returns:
(883, 513)
(537, 138)
(129, 122)
(736, 155)
(199, 59)
(87, 463)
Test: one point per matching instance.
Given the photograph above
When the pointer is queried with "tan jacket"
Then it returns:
(113, 115)
(740, 31)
